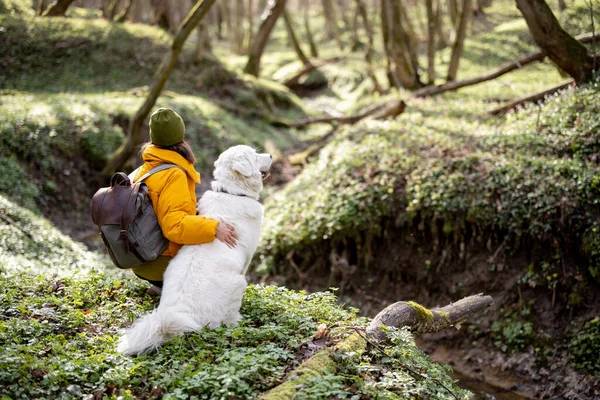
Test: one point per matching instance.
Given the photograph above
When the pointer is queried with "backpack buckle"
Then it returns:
(125, 238)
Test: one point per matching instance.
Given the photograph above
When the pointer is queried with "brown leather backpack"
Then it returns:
(126, 219)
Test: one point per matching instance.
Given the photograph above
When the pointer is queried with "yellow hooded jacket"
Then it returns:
(173, 196)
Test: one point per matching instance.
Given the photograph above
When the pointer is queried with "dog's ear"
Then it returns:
(242, 165)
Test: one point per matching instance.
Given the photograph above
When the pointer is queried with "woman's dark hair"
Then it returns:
(182, 148)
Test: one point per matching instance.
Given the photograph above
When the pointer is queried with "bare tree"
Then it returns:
(331, 25)
(401, 66)
(459, 40)
(250, 14)
(293, 38)
(563, 49)
(59, 8)
(41, 6)
(431, 20)
(124, 152)
(124, 14)
(362, 11)
(237, 38)
(274, 9)
(309, 36)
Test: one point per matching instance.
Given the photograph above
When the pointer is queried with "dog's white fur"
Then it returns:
(204, 284)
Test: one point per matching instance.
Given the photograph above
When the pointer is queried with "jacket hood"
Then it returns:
(155, 156)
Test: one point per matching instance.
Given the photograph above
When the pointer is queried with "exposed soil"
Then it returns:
(405, 265)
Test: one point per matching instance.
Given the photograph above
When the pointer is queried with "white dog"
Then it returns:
(204, 284)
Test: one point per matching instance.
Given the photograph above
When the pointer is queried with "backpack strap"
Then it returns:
(154, 170)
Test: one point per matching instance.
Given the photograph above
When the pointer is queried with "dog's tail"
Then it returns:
(151, 330)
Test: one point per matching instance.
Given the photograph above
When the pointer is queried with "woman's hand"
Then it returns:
(226, 234)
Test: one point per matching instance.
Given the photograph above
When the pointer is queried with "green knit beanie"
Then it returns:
(166, 127)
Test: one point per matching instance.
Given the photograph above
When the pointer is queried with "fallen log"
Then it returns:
(421, 320)
(398, 315)
(530, 98)
(294, 80)
(495, 73)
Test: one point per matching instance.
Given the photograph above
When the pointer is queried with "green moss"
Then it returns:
(423, 314)
(23, 8)
(444, 315)
(585, 347)
(29, 243)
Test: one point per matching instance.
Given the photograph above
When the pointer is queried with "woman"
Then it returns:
(173, 195)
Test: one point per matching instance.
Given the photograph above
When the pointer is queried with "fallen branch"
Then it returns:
(397, 315)
(387, 111)
(294, 80)
(531, 98)
(381, 111)
(421, 320)
(493, 74)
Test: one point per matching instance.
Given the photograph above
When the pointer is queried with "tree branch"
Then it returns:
(531, 98)
(495, 73)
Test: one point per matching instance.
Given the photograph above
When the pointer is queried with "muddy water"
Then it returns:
(485, 383)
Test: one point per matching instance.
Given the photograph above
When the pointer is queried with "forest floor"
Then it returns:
(512, 348)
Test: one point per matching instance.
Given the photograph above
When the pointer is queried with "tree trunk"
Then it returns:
(362, 10)
(250, 24)
(430, 42)
(401, 69)
(274, 10)
(453, 15)
(562, 5)
(411, 43)
(439, 25)
(59, 8)
(41, 6)
(122, 154)
(219, 12)
(238, 27)
(563, 49)
(309, 36)
(293, 38)
(459, 42)
(111, 9)
(331, 25)
(124, 14)
(202, 38)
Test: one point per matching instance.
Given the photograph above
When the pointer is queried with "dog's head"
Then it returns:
(241, 170)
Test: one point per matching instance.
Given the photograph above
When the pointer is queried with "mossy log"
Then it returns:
(421, 320)
(320, 364)
(398, 315)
